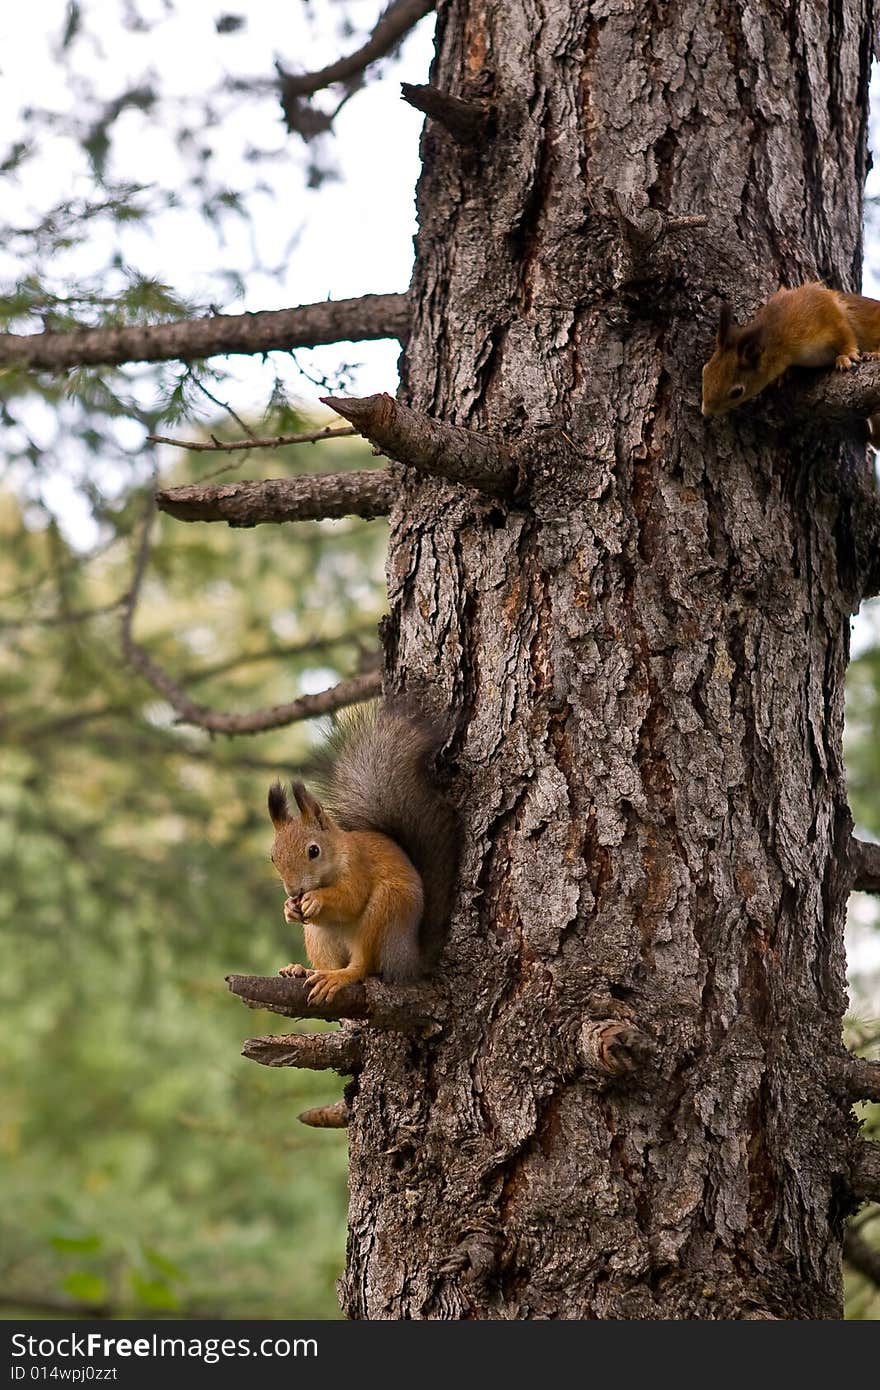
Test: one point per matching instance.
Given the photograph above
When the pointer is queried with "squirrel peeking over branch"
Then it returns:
(811, 326)
(370, 869)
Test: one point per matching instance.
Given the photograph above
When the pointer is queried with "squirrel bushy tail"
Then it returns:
(376, 774)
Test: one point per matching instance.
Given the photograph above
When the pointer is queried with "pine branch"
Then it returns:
(414, 1008)
(427, 445)
(347, 692)
(331, 321)
(861, 1256)
(367, 492)
(392, 26)
(340, 1051)
(865, 866)
(231, 446)
(865, 1173)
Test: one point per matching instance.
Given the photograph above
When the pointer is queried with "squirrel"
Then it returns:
(369, 871)
(811, 326)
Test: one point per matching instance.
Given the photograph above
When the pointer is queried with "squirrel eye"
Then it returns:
(736, 391)
(314, 851)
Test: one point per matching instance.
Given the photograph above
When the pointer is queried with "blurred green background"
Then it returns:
(147, 175)
(146, 1166)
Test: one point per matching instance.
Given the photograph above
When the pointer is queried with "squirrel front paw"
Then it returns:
(310, 905)
(326, 984)
(293, 909)
(294, 969)
(845, 361)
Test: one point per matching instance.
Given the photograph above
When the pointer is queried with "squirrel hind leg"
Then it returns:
(399, 956)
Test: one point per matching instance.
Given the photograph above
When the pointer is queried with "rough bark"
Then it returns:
(647, 670)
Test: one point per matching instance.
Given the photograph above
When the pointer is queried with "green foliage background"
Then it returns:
(146, 1165)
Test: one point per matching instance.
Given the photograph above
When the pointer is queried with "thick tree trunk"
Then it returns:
(647, 662)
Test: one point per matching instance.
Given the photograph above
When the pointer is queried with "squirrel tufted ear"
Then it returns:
(750, 346)
(310, 808)
(279, 810)
(725, 323)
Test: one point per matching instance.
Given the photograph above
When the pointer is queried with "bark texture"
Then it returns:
(647, 667)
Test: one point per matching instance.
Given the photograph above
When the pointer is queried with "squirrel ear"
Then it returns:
(310, 808)
(725, 323)
(750, 346)
(279, 810)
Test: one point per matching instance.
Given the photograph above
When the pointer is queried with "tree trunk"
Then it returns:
(633, 1112)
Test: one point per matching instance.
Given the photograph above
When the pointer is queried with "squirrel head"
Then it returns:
(734, 372)
(308, 851)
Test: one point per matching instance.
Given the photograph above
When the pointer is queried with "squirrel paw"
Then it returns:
(294, 969)
(293, 910)
(326, 984)
(869, 356)
(309, 906)
(845, 361)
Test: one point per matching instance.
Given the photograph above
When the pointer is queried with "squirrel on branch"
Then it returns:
(369, 870)
(811, 326)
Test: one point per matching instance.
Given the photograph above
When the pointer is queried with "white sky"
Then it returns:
(355, 235)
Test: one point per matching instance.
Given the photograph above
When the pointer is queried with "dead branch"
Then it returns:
(367, 493)
(340, 1051)
(231, 446)
(861, 1079)
(864, 861)
(334, 1116)
(330, 321)
(411, 1009)
(429, 446)
(467, 122)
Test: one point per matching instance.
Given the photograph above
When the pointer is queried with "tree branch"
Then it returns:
(232, 446)
(430, 446)
(391, 27)
(334, 1116)
(835, 396)
(861, 1079)
(865, 1172)
(347, 692)
(414, 1008)
(340, 1051)
(863, 1258)
(330, 321)
(367, 492)
(864, 861)
(466, 121)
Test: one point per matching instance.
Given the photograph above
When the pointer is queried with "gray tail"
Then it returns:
(377, 774)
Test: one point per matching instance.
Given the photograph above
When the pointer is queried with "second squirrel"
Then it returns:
(811, 326)
(370, 870)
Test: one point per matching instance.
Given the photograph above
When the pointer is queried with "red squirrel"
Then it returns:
(370, 870)
(810, 326)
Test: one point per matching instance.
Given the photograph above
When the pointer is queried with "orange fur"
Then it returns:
(359, 897)
(811, 326)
